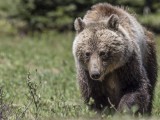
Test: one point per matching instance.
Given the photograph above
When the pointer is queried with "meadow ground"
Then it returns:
(38, 79)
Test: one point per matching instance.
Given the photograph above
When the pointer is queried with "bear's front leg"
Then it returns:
(134, 102)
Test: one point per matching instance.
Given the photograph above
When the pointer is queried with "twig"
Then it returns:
(24, 111)
(112, 106)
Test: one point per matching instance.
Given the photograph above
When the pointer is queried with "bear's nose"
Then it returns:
(95, 75)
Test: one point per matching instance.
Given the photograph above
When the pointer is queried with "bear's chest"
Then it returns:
(113, 89)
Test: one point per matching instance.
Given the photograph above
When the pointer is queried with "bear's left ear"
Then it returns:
(79, 24)
(113, 22)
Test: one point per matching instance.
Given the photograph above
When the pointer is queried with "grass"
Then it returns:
(37, 74)
(48, 60)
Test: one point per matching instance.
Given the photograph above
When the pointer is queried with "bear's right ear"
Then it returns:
(79, 24)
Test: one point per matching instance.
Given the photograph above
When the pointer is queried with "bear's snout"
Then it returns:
(94, 67)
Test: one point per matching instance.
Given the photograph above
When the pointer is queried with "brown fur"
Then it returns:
(115, 59)
(100, 11)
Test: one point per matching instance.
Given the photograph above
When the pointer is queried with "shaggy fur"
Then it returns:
(115, 59)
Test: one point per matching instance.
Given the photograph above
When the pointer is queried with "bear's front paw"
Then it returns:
(128, 104)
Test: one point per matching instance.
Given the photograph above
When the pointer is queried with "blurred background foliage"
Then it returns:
(40, 15)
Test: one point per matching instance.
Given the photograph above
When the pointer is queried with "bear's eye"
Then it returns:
(102, 53)
(87, 54)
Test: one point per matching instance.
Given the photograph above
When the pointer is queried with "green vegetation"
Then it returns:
(39, 15)
(151, 21)
(38, 78)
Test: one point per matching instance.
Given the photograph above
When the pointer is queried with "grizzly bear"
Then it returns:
(115, 59)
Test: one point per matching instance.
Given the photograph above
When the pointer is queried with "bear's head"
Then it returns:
(100, 47)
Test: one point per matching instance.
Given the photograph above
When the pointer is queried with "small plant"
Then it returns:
(34, 97)
(5, 109)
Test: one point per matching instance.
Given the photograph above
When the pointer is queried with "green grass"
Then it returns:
(46, 61)
(48, 58)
